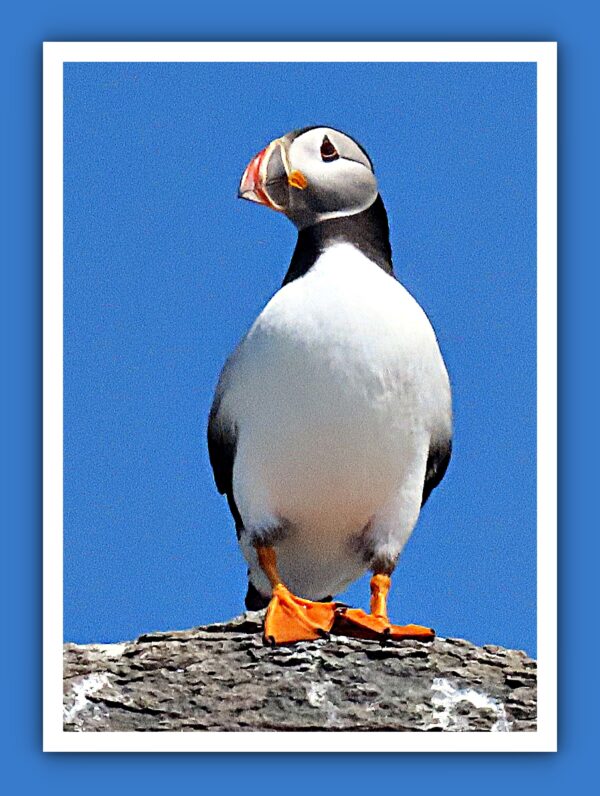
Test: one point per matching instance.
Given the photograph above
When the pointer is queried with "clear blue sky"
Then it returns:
(165, 270)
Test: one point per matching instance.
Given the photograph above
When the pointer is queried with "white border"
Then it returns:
(55, 55)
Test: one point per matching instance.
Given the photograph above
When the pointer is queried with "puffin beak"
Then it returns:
(267, 174)
(253, 184)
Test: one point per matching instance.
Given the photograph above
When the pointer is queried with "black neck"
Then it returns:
(367, 231)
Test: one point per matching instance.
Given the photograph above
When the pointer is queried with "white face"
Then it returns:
(311, 176)
(339, 177)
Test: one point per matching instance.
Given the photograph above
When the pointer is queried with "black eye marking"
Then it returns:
(328, 151)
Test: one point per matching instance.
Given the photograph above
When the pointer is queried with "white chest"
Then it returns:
(335, 393)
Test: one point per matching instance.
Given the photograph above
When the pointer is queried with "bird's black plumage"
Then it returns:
(221, 453)
(437, 464)
(368, 231)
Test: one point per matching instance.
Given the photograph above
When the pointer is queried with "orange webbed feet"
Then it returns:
(290, 619)
(357, 623)
(376, 625)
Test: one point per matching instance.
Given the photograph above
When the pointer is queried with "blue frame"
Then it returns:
(31, 23)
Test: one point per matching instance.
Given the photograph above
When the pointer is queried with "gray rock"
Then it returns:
(222, 677)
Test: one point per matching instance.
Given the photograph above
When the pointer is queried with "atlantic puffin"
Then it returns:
(331, 422)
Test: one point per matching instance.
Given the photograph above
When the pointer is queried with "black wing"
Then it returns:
(437, 464)
(222, 442)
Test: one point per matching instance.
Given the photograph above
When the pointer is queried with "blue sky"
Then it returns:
(165, 270)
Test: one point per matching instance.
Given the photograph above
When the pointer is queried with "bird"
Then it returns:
(331, 422)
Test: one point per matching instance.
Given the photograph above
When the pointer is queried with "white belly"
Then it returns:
(335, 394)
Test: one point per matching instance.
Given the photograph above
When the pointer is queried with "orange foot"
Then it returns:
(356, 622)
(290, 618)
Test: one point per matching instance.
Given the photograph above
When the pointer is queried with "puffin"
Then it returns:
(331, 422)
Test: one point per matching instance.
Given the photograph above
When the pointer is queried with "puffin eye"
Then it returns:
(328, 151)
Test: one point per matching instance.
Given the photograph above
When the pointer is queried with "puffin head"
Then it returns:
(311, 175)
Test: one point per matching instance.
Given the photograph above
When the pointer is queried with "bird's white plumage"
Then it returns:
(336, 394)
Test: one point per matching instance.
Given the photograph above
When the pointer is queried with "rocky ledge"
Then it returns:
(222, 677)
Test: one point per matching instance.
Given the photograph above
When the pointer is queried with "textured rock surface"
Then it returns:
(222, 677)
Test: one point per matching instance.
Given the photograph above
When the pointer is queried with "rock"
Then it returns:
(222, 677)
